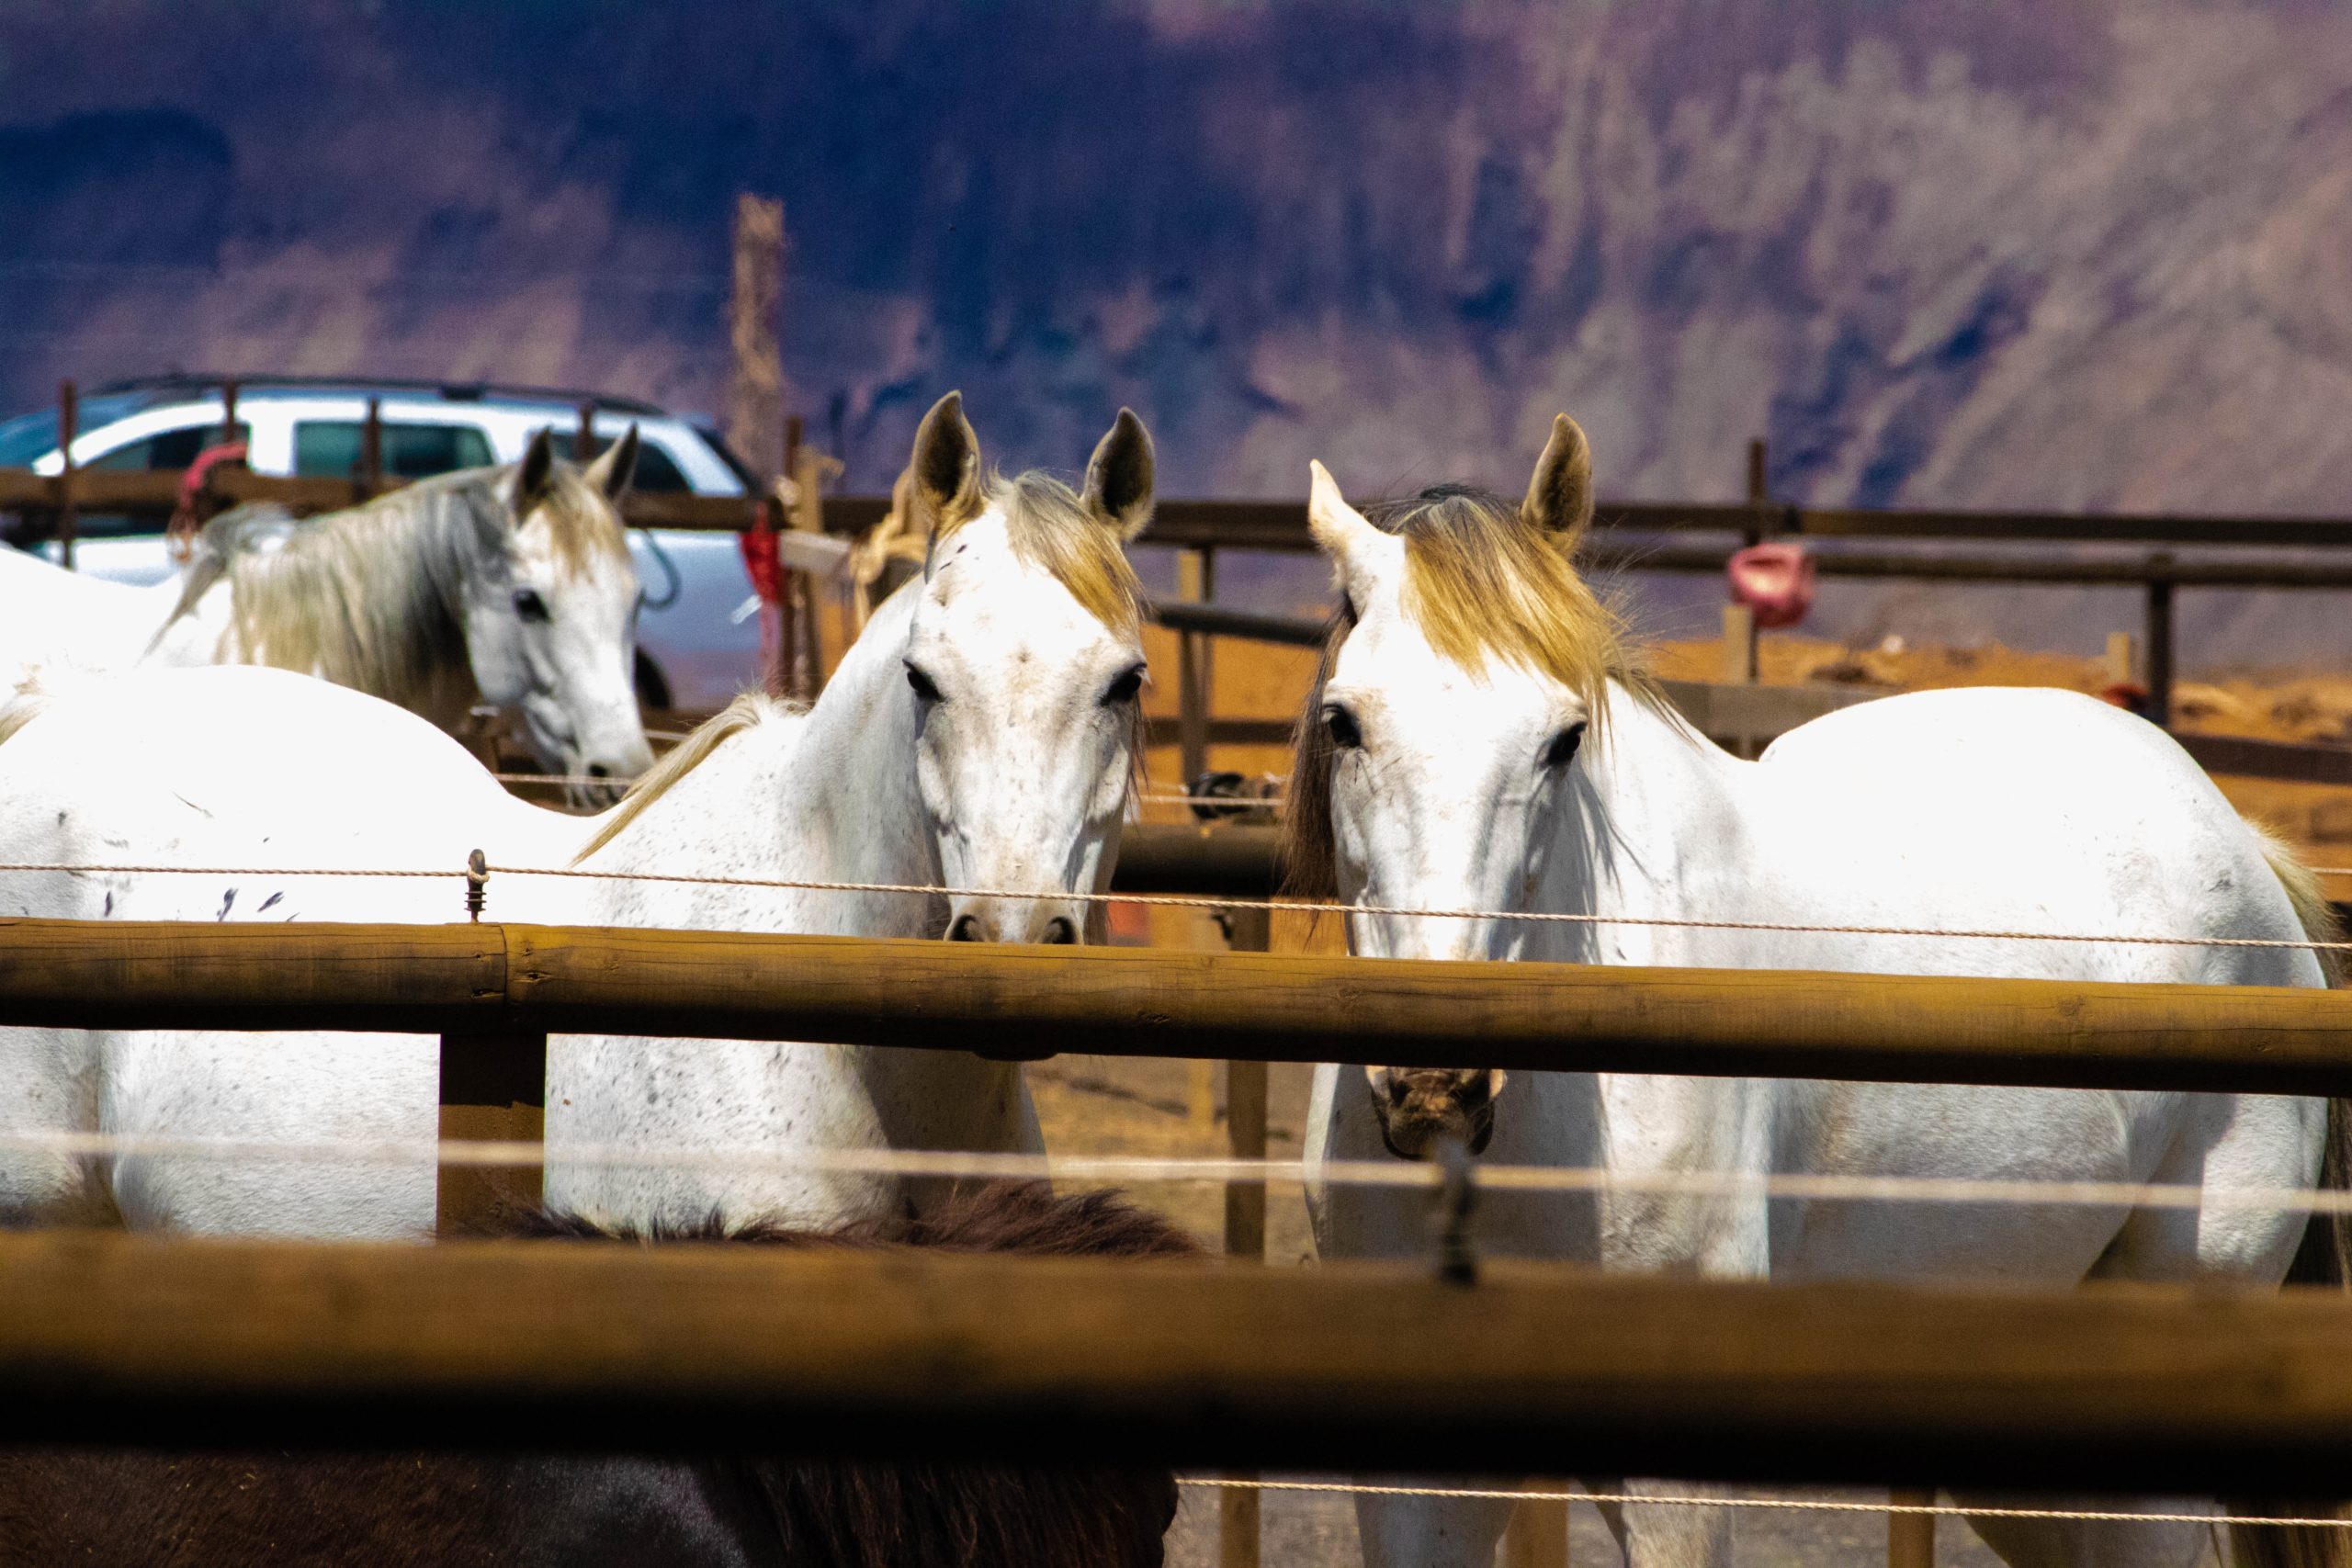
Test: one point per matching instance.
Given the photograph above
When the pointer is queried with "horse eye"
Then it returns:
(1563, 747)
(529, 605)
(1126, 689)
(1341, 725)
(926, 688)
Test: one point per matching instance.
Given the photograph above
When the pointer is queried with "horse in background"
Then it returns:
(509, 586)
(1481, 739)
(790, 1508)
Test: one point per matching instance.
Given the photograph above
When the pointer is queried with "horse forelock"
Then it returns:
(1480, 583)
(1048, 526)
(584, 526)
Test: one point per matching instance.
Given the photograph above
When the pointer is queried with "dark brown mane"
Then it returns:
(460, 1510)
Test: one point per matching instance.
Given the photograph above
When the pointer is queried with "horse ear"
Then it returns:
(1559, 498)
(531, 475)
(947, 464)
(1119, 477)
(1363, 554)
(613, 472)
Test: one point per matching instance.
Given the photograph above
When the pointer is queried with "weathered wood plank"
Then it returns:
(1028, 1001)
(254, 1344)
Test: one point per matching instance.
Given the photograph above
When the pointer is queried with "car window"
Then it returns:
(166, 449)
(328, 448)
(657, 472)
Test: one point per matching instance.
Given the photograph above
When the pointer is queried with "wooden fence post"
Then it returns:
(807, 471)
(1760, 493)
(1538, 1536)
(1246, 930)
(2160, 592)
(69, 517)
(1911, 1537)
(492, 1087)
(370, 475)
(1196, 582)
(2120, 659)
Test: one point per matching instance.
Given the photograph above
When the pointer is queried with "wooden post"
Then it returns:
(493, 1087)
(1760, 493)
(1739, 646)
(370, 475)
(228, 411)
(583, 441)
(807, 470)
(2120, 662)
(1538, 1536)
(2159, 631)
(69, 517)
(1194, 585)
(755, 307)
(1911, 1537)
(785, 680)
(1246, 930)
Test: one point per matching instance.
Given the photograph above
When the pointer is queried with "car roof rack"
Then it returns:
(451, 391)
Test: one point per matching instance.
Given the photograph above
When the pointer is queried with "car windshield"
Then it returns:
(27, 438)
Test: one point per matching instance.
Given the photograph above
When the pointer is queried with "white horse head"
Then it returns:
(550, 615)
(508, 585)
(1439, 754)
(1026, 658)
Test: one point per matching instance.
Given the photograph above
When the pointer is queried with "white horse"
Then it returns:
(510, 586)
(1480, 740)
(979, 733)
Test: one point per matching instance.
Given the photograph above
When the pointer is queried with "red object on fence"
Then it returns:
(181, 530)
(766, 570)
(1773, 580)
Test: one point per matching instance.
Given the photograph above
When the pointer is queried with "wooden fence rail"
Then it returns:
(505, 987)
(260, 1344)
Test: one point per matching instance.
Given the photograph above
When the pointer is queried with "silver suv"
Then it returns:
(697, 637)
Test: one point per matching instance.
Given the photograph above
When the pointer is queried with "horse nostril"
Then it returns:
(598, 770)
(965, 929)
(1059, 932)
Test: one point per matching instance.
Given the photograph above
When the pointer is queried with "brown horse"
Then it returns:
(84, 1507)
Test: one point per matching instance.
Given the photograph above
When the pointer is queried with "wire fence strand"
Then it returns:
(1785, 1505)
(1207, 901)
(916, 1164)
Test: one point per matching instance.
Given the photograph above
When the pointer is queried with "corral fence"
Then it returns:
(1542, 1366)
(1628, 536)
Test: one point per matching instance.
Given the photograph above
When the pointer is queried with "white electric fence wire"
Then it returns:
(1130, 1169)
(1190, 901)
(1786, 1504)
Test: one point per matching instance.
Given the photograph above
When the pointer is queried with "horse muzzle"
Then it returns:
(1417, 1106)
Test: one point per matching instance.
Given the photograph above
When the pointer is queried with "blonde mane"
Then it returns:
(1481, 582)
(746, 712)
(369, 597)
(1050, 527)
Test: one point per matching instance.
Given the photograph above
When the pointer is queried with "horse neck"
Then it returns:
(370, 598)
(829, 796)
(1658, 825)
(1663, 828)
